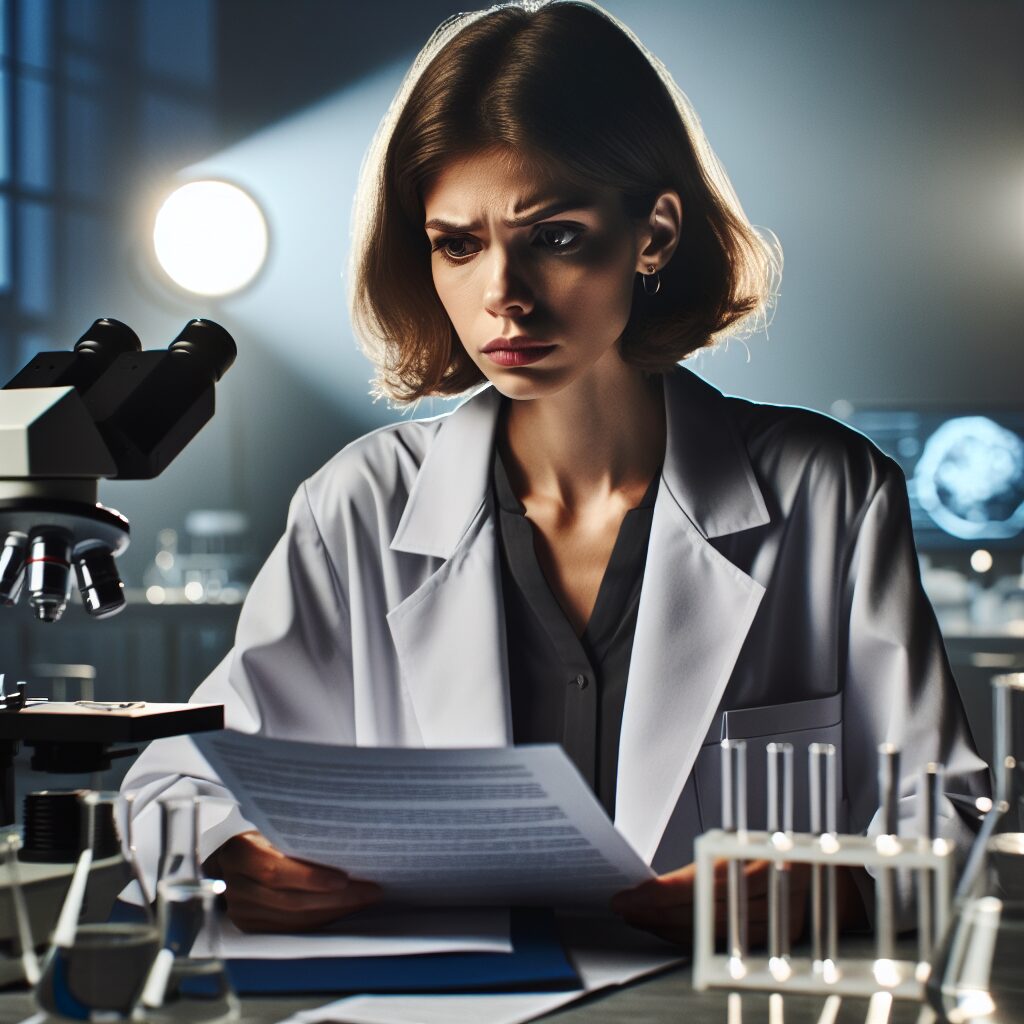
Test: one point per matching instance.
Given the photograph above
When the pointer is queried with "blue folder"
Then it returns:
(537, 963)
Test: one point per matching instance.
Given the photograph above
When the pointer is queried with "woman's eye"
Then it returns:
(455, 249)
(559, 237)
(553, 237)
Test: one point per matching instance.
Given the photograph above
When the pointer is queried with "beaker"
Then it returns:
(188, 983)
(94, 970)
(976, 971)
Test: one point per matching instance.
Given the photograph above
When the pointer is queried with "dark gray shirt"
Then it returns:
(568, 689)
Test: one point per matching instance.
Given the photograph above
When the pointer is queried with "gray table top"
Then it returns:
(664, 998)
(658, 999)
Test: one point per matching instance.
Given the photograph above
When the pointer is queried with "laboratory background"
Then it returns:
(882, 142)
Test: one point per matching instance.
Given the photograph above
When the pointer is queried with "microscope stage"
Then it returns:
(93, 722)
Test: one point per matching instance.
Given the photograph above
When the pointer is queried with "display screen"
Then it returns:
(964, 469)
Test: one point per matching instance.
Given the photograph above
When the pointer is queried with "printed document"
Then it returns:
(478, 826)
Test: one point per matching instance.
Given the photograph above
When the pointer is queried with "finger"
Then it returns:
(249, 919)
(253, 856)
(245, 890)
(679, 936)
(756, 873)
(251, 915)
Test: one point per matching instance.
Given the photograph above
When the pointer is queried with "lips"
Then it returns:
(517, 350)
(516, 341)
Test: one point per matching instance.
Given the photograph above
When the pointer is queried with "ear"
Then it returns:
(659, 236)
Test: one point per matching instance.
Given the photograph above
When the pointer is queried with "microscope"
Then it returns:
(67, 419)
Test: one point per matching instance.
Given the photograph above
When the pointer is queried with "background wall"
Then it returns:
(882, 142)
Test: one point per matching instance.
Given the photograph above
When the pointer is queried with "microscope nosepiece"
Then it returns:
(98, 581)
(12, 567)
(48, 569)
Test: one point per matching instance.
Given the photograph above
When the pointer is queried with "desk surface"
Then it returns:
(659, 1000)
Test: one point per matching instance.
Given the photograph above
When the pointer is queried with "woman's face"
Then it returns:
(536, 278)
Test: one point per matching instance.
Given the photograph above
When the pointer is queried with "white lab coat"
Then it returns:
(781, 600)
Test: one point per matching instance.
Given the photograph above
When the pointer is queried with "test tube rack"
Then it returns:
(823, 972)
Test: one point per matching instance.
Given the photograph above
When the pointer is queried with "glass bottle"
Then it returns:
(95, 970)
(188, 982)
(976, 972)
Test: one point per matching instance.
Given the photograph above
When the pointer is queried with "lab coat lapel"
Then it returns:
(450, 632)
(695, 608)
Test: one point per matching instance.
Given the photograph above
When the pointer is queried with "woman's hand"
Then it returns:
(268, 891)
(664, 905)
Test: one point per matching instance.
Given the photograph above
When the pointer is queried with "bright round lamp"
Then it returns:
(210, 237)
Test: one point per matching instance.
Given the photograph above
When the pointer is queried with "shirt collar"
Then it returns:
(707, 469)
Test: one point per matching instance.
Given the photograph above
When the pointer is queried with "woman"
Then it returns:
(599, 549)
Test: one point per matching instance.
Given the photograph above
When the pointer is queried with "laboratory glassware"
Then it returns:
(189, 984)
(95, 969)
(976, 972)
(20, 927)
(188, 981)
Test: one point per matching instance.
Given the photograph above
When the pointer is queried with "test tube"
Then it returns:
(780, 821)
(734, 819)
(929, 800)
(885, 892)
(824, 925)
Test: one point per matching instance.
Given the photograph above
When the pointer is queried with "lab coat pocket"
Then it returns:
(803, 722)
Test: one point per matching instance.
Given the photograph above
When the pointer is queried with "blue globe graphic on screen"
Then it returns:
(970, 479)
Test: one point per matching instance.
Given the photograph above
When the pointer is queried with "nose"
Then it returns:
(507, 293)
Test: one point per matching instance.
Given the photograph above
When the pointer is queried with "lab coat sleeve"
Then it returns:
(899, 687)
(288, 675)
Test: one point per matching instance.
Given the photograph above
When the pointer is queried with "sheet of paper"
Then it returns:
(380, 931)
(494, 826)
(605, 953)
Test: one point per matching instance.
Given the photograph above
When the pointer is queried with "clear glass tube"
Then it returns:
(780, 826)
(824, 924)
(734, 819)
(95, 970)
(976, 971)
(179, 840)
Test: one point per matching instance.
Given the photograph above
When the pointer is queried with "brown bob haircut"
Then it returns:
(566, 85)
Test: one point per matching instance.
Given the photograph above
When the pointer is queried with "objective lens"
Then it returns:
(48, 566)
(98, 582)
(12, 567)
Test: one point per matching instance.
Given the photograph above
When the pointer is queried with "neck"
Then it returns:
(602, 434)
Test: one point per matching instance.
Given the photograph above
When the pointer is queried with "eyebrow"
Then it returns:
(558, 206)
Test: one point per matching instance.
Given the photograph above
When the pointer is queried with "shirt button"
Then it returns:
(582, 681)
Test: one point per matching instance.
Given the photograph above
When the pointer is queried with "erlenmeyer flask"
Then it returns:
(95, 969)
(188, 982)
(976, 972)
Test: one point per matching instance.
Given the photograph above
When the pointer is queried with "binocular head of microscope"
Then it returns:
(105, 409)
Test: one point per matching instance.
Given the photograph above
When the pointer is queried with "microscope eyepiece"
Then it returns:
(48, 568)
(107, 339)
(98, 581)
(207, 342)
(12, 567)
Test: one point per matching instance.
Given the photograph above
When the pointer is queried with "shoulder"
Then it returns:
(801, 452)
(377, 469)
